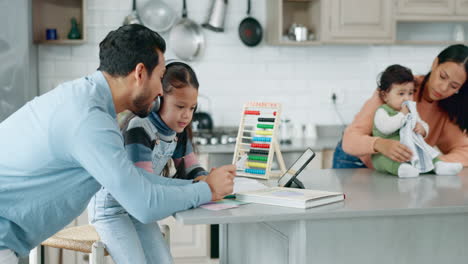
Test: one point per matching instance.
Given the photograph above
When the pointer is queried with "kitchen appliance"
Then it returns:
(250, 30)
(157, 15)
(186, 37)
(298, 32)
(132, 18)
(217, 15)
(202, 121)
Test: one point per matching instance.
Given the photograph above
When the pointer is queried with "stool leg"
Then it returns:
(167, 234)
(35, 255)
(97, 254)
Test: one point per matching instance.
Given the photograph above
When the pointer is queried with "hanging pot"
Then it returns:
(217, 15)
(157, 15)
(186, 38)
(132, 18)
(250, 30)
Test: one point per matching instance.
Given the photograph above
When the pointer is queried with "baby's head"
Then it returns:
(180, 86)
(396, 85)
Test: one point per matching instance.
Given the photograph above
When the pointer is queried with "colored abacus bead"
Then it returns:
(257, 145)
(255, 171)
(251, 112)
(266, 119)
(265, 126)
(258, 151)
(257, 165)
(260, 158)
(263, 139)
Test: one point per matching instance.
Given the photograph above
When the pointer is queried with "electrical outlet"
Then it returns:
(336, 96)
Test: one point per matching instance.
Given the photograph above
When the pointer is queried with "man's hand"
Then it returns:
(221, 181)
(420, 129)
(393, 149)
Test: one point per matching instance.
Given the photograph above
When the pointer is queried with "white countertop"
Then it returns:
(368, 193)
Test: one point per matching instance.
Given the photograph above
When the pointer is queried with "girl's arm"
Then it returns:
(357, 139)
(454, 143)
(184, 153)
(387, 124)
(139, 147)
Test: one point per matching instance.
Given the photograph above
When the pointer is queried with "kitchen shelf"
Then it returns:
(434, 33)
(58, 14)
(283, 13)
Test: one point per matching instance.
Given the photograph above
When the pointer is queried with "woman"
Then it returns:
(442, 99)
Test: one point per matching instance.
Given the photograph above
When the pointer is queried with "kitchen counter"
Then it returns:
(316, 144)
(383, 219)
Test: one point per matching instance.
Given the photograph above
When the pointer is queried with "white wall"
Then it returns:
(302, 78)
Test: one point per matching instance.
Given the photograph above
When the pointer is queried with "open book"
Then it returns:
(291, 197)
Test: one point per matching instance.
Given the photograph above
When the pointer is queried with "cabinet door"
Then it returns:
(425, 7)
(358, 21)
(461, 7)
(188, 241)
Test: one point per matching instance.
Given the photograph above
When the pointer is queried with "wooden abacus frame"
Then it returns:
(256, 109)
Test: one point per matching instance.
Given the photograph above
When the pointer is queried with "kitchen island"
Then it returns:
(384, 219)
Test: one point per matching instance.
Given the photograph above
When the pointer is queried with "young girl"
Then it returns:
(151, 142)
(396, 88)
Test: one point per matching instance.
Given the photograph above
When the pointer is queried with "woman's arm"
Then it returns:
(454, 144)
(357, 139)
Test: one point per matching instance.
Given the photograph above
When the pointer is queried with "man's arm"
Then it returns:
(97, 146)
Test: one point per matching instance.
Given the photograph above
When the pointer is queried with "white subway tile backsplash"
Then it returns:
(230, 73)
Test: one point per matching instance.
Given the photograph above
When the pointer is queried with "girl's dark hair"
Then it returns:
(393, 74)
(179, 75)
(122, 49)
(456, 105)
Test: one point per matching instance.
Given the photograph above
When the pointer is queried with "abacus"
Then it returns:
(257, 143)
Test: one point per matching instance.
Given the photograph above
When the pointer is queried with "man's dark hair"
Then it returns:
(122, 49)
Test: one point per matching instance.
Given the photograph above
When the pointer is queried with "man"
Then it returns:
(58, 149)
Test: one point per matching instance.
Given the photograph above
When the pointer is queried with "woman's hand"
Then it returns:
(393, 149)
(420, 129)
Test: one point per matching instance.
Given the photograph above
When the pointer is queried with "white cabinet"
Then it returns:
(439, 10)
(425, 7)
(461, 7)
(368, 21)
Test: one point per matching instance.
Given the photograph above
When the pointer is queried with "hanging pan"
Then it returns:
(186, 38)
(250, 30)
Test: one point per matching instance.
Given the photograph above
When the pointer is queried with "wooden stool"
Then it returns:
(83, 239)
(80, 238)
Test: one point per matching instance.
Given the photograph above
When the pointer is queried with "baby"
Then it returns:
(396, 88)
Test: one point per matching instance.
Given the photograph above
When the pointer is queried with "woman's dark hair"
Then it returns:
(122, 49)
(456, 105)
(393, 74)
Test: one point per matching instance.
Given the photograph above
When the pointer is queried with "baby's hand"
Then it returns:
(420, 129)
(404, 109)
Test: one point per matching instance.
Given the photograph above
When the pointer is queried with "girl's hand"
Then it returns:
(420, 129)
(201, 178)
(393, 149)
